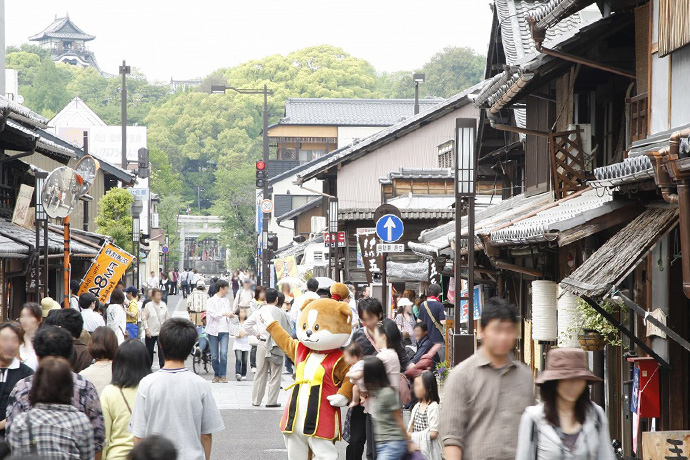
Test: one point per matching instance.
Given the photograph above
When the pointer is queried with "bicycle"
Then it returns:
(200, 360)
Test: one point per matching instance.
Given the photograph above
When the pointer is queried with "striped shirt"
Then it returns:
(482, 404)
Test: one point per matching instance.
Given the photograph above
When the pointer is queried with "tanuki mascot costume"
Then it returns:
(311, 421)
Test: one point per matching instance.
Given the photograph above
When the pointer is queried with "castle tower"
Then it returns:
(67, 43)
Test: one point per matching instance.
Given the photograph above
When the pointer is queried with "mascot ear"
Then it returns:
(306, 302)
(345, 310)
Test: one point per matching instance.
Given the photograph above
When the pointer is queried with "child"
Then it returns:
(241, 345)
(174, 400)
(353, 357)
(423, 425)
(390, 435)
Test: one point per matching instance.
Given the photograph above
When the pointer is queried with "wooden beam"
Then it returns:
(596, 225)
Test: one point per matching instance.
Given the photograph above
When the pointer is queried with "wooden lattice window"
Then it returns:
(567, 162)
(638, 117)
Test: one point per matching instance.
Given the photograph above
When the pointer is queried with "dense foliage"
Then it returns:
(203, 146)
(114, 217)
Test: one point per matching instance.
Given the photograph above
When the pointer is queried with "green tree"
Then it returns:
(168, 209)
(26, 64)
(452, 70)
(164, 180)
(48, 93)
(114, 217)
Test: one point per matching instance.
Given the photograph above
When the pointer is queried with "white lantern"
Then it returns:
(544, 311)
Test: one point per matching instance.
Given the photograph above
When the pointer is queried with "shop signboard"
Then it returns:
(107, 269)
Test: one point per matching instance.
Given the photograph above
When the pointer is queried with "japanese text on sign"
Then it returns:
(108, 268)
(334, 239)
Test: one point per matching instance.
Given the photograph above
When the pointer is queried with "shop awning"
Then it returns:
(613, 261)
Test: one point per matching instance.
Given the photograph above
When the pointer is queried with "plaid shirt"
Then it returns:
(85, 400)
(58, 431)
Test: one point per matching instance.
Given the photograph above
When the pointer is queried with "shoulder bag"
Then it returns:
(125, 399)
(436, 323)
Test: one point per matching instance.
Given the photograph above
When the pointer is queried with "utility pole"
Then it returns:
(124, 71)
(418, 78)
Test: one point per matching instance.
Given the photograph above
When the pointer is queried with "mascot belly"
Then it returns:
(311, 421)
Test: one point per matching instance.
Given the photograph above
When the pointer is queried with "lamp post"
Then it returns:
(137, 209)
(41, 216)
(418, 78)
(124, 71)
(333, 238)
(215, 89)
(465, 190)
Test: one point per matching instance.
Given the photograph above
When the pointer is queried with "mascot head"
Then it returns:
(326, 324)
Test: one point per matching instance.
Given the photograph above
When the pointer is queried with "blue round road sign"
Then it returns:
(390, 228)
(164, 249)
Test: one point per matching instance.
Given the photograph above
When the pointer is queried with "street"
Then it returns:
(248, 429)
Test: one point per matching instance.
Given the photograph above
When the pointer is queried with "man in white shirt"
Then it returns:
(312, 287)
(92, 320)
(268, 360)
(196, 277)
(73, 298)
(184, 282)
(244, 295)
(218, 315)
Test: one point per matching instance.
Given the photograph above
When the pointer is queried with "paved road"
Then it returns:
(250, 432)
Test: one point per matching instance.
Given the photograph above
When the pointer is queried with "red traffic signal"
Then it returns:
(260, 165)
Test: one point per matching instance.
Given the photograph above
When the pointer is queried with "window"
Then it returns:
(308, 155)
(445, 154)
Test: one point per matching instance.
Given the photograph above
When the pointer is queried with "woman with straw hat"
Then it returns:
(566, 424)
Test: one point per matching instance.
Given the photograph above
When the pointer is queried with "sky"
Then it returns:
(189, 39)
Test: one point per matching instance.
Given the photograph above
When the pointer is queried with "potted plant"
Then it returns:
(593, 331)
(441, 371)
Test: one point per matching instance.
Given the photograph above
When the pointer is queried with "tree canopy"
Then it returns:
(114, 217)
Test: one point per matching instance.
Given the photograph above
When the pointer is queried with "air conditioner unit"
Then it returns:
(318, 224)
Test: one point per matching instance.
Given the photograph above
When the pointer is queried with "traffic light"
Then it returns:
(261, 175)
(144, 243)
(272, 244)
(143, 163)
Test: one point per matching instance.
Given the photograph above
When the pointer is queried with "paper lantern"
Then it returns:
(544, 311)
(567, 317)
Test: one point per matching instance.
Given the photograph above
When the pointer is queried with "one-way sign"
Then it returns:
(389, 228)
(388, 247)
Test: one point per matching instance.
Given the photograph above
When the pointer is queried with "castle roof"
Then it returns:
(63, 28)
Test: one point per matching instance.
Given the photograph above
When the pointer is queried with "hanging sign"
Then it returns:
(107, 269)
(23, 214)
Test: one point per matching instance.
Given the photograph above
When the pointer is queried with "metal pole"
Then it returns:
(38, 260)
(46, 260)
(264, 226)
(384, 285)
(124, 70)
(66, 224)
(416, 97)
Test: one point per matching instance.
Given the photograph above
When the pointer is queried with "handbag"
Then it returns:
(414, 455)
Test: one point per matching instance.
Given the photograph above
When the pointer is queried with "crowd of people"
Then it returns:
(78, 383)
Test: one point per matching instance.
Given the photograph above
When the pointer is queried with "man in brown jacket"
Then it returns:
(72, 321)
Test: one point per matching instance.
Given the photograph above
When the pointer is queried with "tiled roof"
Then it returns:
(628, 171)
(407, 173)
(63, 28)
(21, 239)
(311, 204)
(388, 134)
(564, 215)
(407, 214)
(551, 12)
(351, 112)
(297, 249)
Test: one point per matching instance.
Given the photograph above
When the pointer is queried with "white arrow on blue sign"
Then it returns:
(390, 228)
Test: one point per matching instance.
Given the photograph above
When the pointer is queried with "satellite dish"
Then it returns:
(60, 191)
(86, 169)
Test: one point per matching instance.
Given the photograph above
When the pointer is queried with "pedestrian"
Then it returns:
(174, 400)
(405, 320)
(432, 313)
(154, 447)
(254, 305)
(73, 297)
(132, 312)
(102, 348)
(246, 295)
(218, 316)
(423, 426)
(352, 354)
(92, 319)
(154, 315)
(566, 424)
(197, 301)
(298, 303)
(392, 439)
(152, 281)
(56, 342)
(175, 278)
(212, 288)
(484, 395)
(235, 283)
(73, 322)
(196, 276)
(360, 423)
(48, 305)
(130, 365)
(391, 352)
(117, 318)
(286, 308)
(269, 357)
(164, 286)
(184, 282)
(12, 369)
(240, 345)
(52, 427)
(30, 319)
(424, 345)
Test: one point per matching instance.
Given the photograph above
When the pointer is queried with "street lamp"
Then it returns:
(465, 188)
(418, 78)
(333, 236)
(41, 216)
(221, 89)
(137, 209)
